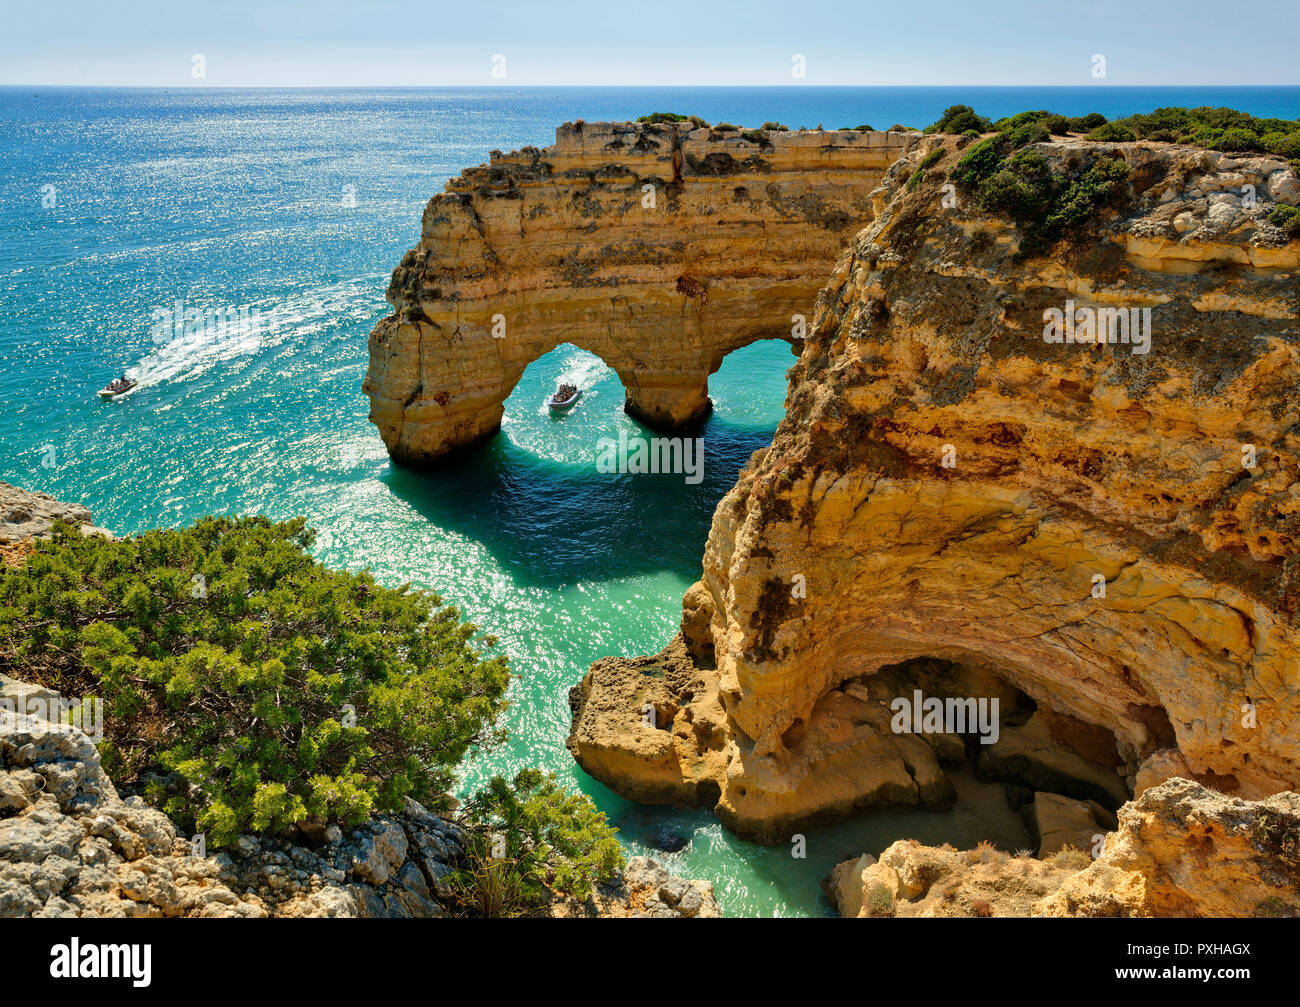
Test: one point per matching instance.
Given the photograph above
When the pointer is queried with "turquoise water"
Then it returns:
(241, 198)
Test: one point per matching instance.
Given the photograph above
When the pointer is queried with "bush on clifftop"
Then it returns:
(225, 654)
(694, 120)
(1010, 177)
(1223, 129)
(958, 119)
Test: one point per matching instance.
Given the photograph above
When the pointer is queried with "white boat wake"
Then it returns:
(217, 334)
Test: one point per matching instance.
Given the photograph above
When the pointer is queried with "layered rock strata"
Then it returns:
(1109, 532)
(659, 247)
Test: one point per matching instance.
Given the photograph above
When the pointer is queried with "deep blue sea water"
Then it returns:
(116, 202)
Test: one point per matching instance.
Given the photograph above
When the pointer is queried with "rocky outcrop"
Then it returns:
(647, 890)
(27, 515)
(912, 880)
(1056, 822)
(71, 847)
(1181, 850)
(1185, 850)
(1109, 533)
(659, 247)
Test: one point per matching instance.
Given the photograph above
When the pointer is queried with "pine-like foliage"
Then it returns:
(257, 689)
(530, 838)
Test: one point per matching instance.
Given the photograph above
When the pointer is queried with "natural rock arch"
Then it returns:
(660, 249)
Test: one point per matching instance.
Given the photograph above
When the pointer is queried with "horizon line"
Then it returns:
(612, 87)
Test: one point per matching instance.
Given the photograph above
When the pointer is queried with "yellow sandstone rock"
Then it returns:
(1111, 533)
(659, 247)
(1181, 850)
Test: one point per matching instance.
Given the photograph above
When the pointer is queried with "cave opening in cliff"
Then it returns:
(1062, 775)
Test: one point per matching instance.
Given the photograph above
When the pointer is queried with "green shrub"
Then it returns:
(1172, 121)
(224, 653)
(1240, 139)
(1216, 129)
(1022, 189)
(1286, 217)
(664, 117)
(1223, 118)
(1087, 123)
(1012, 178)
(1112, 132)
(697, 122)
(1027, 133)
(929, 161)
(1057, 125)
(1020, 119)
(1283, 144)
(727, 126)
(958, 119)
(1203, 136)
(531, 839)
(777, 126)
(981, 161)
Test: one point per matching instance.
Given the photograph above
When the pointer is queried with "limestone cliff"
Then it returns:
(659, 247)
(70, 846)
(955, 501)
(1181, 850)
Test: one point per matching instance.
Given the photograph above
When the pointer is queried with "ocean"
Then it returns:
(294, 205)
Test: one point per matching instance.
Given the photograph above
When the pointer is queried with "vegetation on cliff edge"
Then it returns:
(1223, 129)
(246, 686)
(1006, 176)
(529, 838)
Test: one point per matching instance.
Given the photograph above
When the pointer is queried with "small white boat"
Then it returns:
(116, 387)
(565, 396)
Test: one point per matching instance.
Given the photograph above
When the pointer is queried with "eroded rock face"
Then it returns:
(1073, 520)
(911, 880)
(71, 847)
(26, 514)
(1181, 850)
(1185, 850)
(660, 248)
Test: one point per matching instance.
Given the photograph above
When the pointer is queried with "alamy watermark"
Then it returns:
(931, 715)
(652, 455)
(86, 713)
(1103, 325)
(180, 321)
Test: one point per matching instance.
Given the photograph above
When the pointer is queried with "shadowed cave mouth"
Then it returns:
(1065, 777)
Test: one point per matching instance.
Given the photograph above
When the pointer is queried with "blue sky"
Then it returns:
(403, 42)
